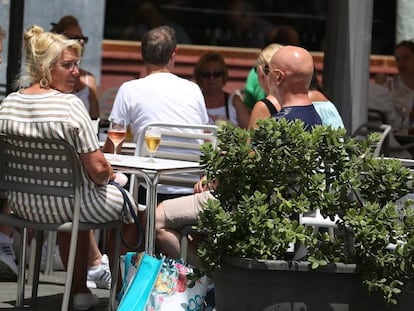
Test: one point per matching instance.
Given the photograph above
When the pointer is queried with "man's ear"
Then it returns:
(281, 77)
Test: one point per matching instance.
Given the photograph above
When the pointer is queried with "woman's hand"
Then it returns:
(202, 185)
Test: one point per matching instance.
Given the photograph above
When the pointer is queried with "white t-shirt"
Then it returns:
(160, 97)
(83, 94)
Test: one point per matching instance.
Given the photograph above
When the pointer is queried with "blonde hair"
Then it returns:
(42, 50)
(266, 54)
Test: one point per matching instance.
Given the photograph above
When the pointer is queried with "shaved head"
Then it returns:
(291, 72)
(295, 61)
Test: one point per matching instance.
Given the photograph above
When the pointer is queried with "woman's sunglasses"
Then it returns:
(214, 74)
(79, 38)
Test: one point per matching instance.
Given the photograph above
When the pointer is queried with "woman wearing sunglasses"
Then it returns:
(211, 75)
(85, 87)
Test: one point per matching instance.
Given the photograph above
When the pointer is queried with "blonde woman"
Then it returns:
(45, 108)
(267, 106)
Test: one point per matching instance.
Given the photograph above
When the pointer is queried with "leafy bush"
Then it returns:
(269, 175)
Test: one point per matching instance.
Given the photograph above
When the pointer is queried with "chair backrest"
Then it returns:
(364, 129)
(178, 142)
(39, 166)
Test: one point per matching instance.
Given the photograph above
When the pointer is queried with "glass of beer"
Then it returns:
(117, 132)
(152, 141)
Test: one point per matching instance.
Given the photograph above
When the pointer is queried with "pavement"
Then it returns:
(50, 294)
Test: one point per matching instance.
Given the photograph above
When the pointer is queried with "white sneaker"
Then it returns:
(84, 301)
(8, 267)
(100, 276)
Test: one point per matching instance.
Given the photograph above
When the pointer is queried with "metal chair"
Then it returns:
(179, 142)
(364, 129)
(48, 167)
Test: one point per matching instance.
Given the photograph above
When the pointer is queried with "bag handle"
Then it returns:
(127, 205)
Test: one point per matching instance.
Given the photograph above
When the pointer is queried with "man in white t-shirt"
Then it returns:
(161, 96)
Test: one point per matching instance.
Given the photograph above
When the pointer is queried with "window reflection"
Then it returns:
(240, 23)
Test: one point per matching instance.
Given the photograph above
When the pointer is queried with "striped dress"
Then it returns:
(59, 115)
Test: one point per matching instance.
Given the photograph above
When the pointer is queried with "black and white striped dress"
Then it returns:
(58, 115)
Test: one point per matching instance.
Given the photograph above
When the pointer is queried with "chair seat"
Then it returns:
(15, 221)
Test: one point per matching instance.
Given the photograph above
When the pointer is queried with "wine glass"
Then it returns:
(152, 141)
(117, 132)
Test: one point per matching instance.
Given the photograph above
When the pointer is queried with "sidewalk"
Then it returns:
(50, 294)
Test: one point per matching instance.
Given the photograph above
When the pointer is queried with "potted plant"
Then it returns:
(268, 177)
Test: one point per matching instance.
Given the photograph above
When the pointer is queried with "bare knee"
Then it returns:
(159, 218)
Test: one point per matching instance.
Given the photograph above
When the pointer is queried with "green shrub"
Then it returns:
(269, 175)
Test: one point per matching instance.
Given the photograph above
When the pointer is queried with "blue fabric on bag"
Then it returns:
(127, 263)
(136, 295)
(127, 206)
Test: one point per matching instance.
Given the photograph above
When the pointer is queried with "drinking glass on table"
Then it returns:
(152, 141)
(116, 132)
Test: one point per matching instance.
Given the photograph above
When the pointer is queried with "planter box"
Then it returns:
(250, 285)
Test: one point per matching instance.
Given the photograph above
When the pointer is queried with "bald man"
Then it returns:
(289, 73)
(289, 76)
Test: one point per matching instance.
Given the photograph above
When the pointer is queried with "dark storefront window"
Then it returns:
(238, 22)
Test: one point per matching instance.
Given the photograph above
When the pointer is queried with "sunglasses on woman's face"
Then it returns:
(79, 38)
(214, 74)
(266, 69)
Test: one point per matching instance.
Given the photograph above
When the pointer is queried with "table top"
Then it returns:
(129, 162)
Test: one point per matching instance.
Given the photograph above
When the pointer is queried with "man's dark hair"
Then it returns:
(157, 45)
(409, 44)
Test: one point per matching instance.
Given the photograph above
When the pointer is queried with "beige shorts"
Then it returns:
(184, 210)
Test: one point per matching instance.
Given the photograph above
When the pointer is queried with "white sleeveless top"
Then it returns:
(83, 94)
(221, 112)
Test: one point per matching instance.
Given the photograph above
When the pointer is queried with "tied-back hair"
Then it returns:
(157, 45)
(210, 57)
(42, 51)
(266, 54)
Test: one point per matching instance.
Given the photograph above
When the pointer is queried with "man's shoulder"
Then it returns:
(297, 110)
(131, 84)
(307, 114)
(170, 79)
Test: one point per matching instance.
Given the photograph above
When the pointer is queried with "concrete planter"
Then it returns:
(262, 285)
